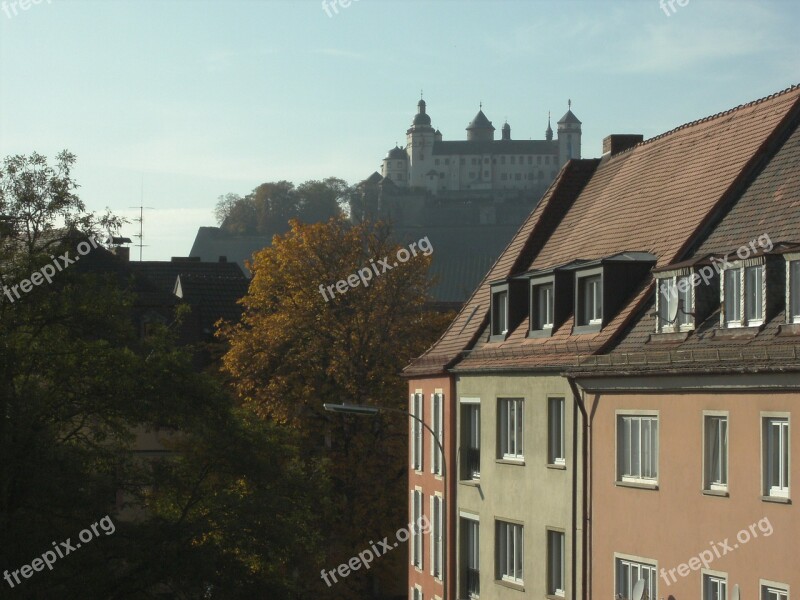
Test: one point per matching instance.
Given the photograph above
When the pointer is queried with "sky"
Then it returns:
(173, 103)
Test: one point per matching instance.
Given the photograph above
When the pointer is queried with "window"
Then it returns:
(776, 456)
(555, 431)
(753, 290)
(538, 160)
(437, 418)
(462, 161)
(504, 176)
(474, 161)
(530, 160)
(471, 581)
(500, 313)
(555, 563)
(416, 532)
(716, 452)
(436, 162)
(502, 160)
(637, 448)
(509, 551)
(513, 160)
(747, 287)
(674, 298)
(510, 424)
(518, 176)
(768, 592)
(542, 309)
(416, 593)
(733, 301)
(416, 428)
(436, 537)
(590, 300)
(471, 441)
(629, 572)
(714, 588)
(547, 160)
(794, 291)
(447, 161)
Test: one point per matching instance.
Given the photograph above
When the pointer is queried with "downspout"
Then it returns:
(585, 538)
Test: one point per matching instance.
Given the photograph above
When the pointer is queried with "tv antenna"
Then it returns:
(140, 220)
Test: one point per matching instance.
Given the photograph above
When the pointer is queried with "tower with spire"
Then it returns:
(569, 136)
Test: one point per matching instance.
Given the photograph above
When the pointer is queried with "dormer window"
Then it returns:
(500, 313)
(743, 296)
(793, 300)
(674, 303)
(542, 306)
(590, 300)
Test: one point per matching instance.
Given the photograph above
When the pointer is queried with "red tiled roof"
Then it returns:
(658, 197)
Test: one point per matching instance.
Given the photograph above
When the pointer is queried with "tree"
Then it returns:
(270, 206)
(294, 350)
(226, 515)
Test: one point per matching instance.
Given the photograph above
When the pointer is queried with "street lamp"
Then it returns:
(364, 410)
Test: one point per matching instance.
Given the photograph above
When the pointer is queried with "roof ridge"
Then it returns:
(718, 115)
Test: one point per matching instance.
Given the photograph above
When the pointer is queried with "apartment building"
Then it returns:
(553, 479)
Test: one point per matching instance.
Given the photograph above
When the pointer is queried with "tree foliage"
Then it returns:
(293, 351)
(227, 514)
(270, 206)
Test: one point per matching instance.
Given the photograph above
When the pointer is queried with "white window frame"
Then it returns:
(741, 296)
(542, 320)
(511, 422)
(510, 551)
(470, 407)
(417, 593)
(417, 558)
(556, 563)
(556, 431)
(636, 567)
(755, 320)
(437, 420)
(472, 558)
(630, 466)
(772, 590)
(776, 425)
(417, 449)
(684, 319)
(793, 289)
(436, 536)
(714, 585)
(590, 299)
(716, 432)
(499, 328)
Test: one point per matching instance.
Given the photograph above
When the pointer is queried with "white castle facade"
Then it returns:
(480, 163)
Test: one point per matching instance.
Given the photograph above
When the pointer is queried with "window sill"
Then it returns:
(640, 486)
(668, 337)
(789, 329)
(554, 597)
(727, 333)
(511, 461)
(581, 329)
(510, 584)
(557, 467)
(718, 493)
(498, 337)
(540, 333)
(470, 482)
(776, 499)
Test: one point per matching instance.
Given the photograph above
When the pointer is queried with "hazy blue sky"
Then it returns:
(199, 98)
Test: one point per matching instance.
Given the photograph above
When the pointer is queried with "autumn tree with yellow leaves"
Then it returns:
(297, 348)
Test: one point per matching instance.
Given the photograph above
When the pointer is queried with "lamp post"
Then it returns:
(371, 411)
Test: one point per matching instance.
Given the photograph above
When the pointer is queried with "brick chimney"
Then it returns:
(614, 144)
